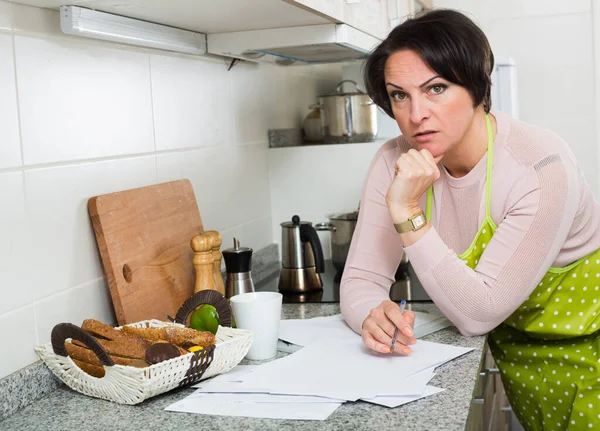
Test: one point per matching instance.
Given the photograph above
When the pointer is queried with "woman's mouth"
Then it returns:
(425, 135)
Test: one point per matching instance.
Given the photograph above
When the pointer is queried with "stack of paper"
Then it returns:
(334, 367)
(303, 332)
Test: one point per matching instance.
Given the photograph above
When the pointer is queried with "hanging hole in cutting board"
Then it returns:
(127, 273)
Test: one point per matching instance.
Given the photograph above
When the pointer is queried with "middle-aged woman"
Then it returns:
(495, 216)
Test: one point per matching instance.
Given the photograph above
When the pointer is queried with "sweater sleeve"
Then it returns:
(540, 213)
(375, 251)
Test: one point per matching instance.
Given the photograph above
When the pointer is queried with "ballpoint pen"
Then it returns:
(402, 305)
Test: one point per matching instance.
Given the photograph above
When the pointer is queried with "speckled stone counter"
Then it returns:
(64, 409)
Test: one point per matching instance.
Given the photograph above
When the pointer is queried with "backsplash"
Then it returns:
(80, 118)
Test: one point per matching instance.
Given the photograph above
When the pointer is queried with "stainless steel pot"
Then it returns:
(342, 228)
(347, 117)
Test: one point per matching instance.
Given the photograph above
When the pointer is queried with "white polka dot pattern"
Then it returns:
(548, 350)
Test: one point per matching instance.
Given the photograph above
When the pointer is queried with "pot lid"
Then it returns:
(343, 216)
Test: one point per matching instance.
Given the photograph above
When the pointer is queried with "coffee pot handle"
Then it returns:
(308, 233)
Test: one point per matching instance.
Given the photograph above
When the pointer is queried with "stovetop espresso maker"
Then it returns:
(301, 257)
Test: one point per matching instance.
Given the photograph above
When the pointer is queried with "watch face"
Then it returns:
(418, 221)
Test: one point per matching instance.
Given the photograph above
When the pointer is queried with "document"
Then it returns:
(401, 400)
(346, 369)
(307, 331)
(227, 405)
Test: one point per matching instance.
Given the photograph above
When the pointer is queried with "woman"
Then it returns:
(495, 216)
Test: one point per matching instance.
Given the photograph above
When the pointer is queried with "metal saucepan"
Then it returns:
(342, 228)
(347, 117)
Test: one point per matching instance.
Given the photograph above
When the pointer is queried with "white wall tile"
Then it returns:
(192, 102)
(10, 146)
(501, 9)
(58, 220)
(555, 92)
(318, 178)
(87, 301)
(255, 101)
(80, 100)
(5, 16)
(35, 20)
(15, 250)
(231, 183)
(17, 339)
(314, 181)
(255, 234)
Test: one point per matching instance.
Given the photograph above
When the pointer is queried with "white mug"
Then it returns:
(259, 312)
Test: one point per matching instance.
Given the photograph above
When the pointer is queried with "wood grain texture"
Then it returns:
(143, 236)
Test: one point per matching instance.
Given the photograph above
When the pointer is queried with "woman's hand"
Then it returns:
(378, 328)
(416, 171)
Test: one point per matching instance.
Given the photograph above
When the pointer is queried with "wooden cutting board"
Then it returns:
(143, 236)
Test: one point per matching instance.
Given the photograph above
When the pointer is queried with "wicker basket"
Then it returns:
(130, 385)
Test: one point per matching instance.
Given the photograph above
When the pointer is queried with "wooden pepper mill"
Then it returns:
(203, 261)
(216, 252)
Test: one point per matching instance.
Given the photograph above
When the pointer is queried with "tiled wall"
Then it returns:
(79, 118)
(552, 43)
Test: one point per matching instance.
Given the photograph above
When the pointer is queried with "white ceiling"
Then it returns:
(205, 16)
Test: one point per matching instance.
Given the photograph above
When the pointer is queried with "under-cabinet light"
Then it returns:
(79, 21)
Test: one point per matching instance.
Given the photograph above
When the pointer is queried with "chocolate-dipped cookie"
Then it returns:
(161, 352)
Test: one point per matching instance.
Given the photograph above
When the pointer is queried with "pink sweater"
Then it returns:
(545, 212)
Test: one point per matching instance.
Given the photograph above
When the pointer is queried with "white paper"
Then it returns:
(209, 404)
(233, 375)
(398, 401)
(304, 332)
(346, 369)
(266, 398)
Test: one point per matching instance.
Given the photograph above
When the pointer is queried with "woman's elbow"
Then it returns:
(474, 329)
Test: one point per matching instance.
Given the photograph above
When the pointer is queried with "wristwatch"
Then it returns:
(414, 223)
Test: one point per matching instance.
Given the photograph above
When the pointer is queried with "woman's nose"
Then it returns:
(419, 111)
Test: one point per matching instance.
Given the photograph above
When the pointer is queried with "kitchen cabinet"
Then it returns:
(374, 17)
(490, 409)
(209, 16)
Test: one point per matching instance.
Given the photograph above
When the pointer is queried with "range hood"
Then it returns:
(312, 44)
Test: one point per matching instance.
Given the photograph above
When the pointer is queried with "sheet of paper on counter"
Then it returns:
(346, 369)
(215, 404)
(303, 332)
(399, 401)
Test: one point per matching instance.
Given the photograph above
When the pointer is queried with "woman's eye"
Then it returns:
(398, 95)
(438, 89)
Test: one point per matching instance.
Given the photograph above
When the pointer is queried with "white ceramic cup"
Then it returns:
(259, 312)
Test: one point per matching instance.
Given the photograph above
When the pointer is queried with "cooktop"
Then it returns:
(406, 286)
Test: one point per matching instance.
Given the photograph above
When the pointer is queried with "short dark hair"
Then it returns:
(449, 42)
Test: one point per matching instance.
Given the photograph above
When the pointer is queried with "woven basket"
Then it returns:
(130, 385)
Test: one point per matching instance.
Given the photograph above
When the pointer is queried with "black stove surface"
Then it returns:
(406, 286)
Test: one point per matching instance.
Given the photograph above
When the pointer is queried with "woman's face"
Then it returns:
(432, 113)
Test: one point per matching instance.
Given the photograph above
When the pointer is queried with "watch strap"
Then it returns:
(414, 223)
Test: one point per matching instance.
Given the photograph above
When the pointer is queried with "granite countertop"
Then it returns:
(64, 409)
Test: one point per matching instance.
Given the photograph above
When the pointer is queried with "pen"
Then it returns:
(402, 306)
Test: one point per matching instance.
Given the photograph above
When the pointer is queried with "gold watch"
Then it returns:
(414, 223)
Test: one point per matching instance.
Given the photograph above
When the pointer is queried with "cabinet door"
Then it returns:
(370, 16)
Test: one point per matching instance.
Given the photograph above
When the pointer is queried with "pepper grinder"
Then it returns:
(238, 261)
(216, 246)
(203, 262)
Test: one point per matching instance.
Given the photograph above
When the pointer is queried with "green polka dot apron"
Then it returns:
(548, 350)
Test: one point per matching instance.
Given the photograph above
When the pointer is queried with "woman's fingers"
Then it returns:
(376, 345)
(396, 317)
(409, 317)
